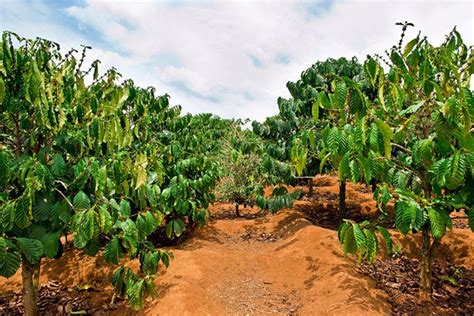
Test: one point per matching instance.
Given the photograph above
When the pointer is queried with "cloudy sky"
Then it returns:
(232, 58)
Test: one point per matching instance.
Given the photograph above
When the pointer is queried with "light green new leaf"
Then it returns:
(315, 111)
(387, 136)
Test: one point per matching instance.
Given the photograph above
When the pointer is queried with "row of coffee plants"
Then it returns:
(404, 124)
(81, 155)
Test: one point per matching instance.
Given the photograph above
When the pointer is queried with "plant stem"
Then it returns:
(237, 212)
(428, 252)
(342, 200)
(30, 276)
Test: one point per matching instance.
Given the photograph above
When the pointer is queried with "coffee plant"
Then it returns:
(107, 164)
(418, 130)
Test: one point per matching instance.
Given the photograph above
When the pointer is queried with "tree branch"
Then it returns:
(402, 148)
(67, 200)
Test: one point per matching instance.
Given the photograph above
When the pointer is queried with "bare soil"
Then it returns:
(290, 263)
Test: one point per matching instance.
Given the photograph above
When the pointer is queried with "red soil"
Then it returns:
(270, 264)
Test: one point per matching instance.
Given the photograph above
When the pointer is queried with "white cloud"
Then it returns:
(212, 44)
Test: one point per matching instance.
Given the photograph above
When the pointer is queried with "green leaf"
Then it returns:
(374, 137)
(350, 245)
(438, 227)
(344, 169)
(5, 168)
(149, 262)
(22, 213)
(89, 227)
(387, 136)
(457, 171)
(371, 70)
(130, 237)
(42, 210)
(58, 167)
(333, 140)
(315, 111)
(81, 201)
(136, 294)
(105, 219)
(359, 237)
(323, 162)
(92, 247)
(125, 209)
(10, 264)
(420, 219)
(412, 108)
(113, 251)
(372, 245)
(3, 248)
(2, 90)
(118, 281)
(7, 215)
(341, 231)
(32, 249)
(405, 214)
(354, 171)
(51, 244)
(387, 238)
(409, 46)
(178, 227)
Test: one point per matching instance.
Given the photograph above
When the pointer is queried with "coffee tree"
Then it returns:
(426, 102)
(248, 166)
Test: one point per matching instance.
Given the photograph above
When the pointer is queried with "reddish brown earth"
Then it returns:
(258, 264)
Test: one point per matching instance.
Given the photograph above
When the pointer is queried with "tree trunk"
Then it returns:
(428, 252)
(373, 185)
(342, 200)
(237, 212)
(426, 268)
(310, 191)
(30, 276)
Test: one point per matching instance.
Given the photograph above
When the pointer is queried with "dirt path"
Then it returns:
(279, 264)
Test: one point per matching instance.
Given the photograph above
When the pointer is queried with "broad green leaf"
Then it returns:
(81, 201)
(32, 249)
(10, 264)
(113, 251)
(125, 209)
(438, 227)
(350, 245)
(51, 244)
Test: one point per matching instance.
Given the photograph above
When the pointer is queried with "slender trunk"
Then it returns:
(30, 276)
(428, 252)
(342, 200)
(426, 268)
(310, 191)
(237, 212)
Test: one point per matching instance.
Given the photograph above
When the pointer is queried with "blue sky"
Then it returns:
(232, 58)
